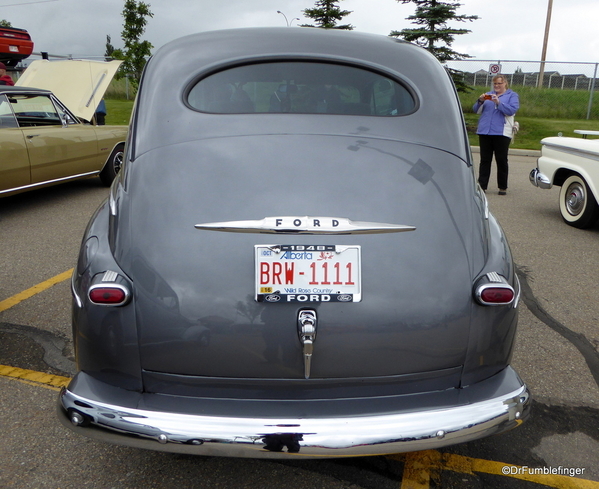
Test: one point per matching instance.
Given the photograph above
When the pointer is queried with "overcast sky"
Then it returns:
(506, 30)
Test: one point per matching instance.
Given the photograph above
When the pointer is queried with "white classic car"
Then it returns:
(572, 164)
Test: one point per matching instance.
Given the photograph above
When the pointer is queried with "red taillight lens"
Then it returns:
(108, 296)
(496, 295)
(14, 35)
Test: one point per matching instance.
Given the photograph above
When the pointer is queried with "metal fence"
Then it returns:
(556, 74)
(577, 80)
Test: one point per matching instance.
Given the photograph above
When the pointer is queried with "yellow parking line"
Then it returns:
(36, 289)
(459, 463)
(54, 381)
(421, 467)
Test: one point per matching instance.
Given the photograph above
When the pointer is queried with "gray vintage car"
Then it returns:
(295, 259)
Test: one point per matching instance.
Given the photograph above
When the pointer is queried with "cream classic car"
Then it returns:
(47, 135)
(573, 165)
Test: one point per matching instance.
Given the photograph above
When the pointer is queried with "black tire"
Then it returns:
(577, 203)
(113, 165)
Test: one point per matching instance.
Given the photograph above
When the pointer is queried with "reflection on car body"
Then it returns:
(43, 142)
(307, 198)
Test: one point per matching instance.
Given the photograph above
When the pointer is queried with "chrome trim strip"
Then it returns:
(485, 202)
(91, 98)
(50, 182)
(109, 276)
(304, 437)
(518, 293)
(592, 155)
(304, 225)
(74, 291)
(494, 277)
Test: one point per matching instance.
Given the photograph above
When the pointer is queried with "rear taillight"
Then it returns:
(108, 296)
(496, 295)
(15, 35)
(493, 290)
(109, 291)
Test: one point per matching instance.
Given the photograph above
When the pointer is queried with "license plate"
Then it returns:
(13, 49)
(308, 273)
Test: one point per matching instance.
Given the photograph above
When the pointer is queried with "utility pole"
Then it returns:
(544, 53)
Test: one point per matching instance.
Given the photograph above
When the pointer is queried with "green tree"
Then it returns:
(326, 14)
(111, 52)
(434, 34)
(5, 23)
(135, 52)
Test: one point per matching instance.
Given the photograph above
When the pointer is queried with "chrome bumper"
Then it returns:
(298, 437)
(539, 180)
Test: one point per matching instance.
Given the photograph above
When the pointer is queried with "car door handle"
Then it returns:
(31, 136)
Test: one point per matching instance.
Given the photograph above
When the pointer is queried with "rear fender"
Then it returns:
(493, 328)
(106, 341)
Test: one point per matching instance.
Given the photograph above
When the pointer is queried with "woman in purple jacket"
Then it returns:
(495, 130)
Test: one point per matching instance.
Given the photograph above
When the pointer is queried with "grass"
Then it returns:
(119, 102)
(543, 113)
(120, 90)
(118, 111)
(533, 129)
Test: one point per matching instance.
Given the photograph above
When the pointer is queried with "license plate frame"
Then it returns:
(308, 273)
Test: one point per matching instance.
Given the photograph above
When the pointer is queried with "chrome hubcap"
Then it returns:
(118, 162)
(575, 198)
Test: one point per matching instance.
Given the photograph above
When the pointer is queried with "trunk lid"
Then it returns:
(195, 288)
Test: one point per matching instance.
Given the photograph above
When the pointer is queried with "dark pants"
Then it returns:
(489, 145)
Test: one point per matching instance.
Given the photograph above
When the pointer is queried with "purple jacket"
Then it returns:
(497, 120)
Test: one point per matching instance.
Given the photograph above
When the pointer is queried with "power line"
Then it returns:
(27, 3)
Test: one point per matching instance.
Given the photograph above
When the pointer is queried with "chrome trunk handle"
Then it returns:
(306, 324)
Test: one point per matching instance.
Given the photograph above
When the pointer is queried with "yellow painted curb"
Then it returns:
(33, 376)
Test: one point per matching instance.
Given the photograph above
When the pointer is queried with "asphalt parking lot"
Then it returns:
(556, 354)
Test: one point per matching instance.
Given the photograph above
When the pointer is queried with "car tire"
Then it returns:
(113, 165)
(577, 203)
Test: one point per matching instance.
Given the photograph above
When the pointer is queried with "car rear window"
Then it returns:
(301, 87)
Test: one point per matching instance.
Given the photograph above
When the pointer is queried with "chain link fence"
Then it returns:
(567, 89)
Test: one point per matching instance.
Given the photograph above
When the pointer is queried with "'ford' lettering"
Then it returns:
(300, 223)
(308, 298)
